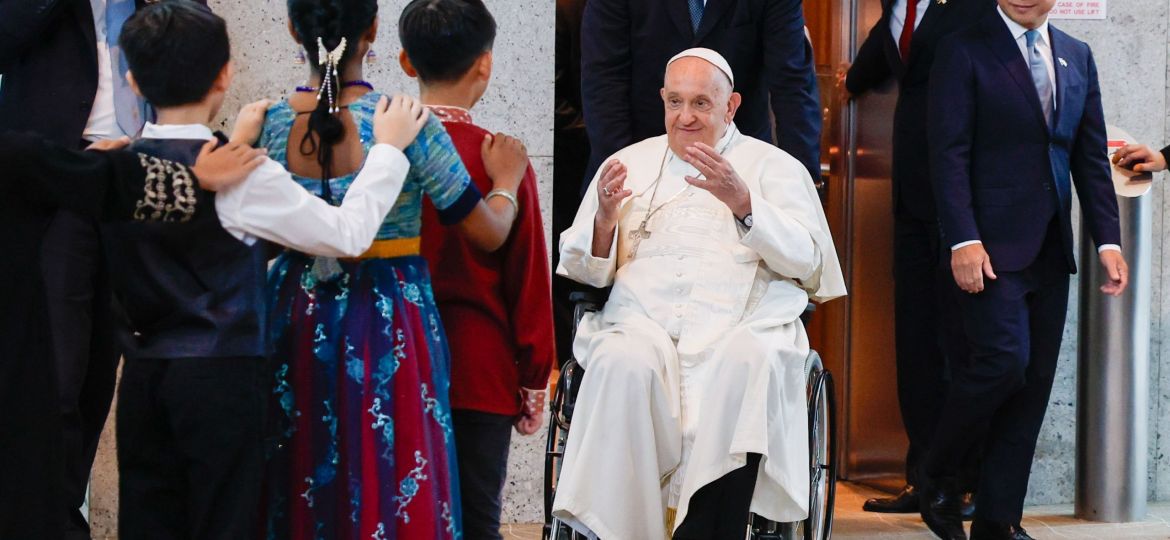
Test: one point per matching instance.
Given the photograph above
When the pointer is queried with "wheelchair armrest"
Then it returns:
(597, 296)
(808, 312)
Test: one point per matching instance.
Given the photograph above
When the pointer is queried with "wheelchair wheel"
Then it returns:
(560, 414)
(822, 430)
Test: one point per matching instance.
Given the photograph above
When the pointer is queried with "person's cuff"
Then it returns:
(1108, 247)
(962, 245)
(532, 401)
(1166, 154)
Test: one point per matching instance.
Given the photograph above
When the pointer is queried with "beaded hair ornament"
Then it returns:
(329, 61)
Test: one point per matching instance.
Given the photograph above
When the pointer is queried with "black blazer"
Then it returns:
(48, 58)
(625, 45)
(1001, 174)
(37, 179)
(878, 61)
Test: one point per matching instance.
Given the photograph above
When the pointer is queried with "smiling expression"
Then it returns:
(699, 103)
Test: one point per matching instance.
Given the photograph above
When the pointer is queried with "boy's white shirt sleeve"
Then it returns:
(270, 205)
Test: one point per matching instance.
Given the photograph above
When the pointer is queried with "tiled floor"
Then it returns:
(520, 532)
(1042, 522)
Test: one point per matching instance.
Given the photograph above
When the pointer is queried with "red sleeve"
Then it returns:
(527, 290)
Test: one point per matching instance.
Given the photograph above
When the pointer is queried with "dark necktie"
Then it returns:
(696, 12)
(908, 28)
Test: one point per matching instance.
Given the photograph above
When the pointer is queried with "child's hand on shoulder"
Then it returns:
(398, 121)
(108, 145)
(505, 160)
(250, 122)
(221, 167)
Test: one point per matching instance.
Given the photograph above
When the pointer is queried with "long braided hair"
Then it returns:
(329, 21)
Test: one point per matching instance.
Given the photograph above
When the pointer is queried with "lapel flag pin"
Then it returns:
(1062, 62)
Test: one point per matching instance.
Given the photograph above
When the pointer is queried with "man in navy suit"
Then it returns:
(901, 47)
(63, 79)
(625, 43)
(1015, 110)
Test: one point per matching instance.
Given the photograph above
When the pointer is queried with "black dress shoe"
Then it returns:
(905, 502)
(938, 504)
(967, 510)
(990, 530)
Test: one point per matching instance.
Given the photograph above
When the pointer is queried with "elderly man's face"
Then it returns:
(699, 103)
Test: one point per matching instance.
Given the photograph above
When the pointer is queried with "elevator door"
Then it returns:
(856, 334)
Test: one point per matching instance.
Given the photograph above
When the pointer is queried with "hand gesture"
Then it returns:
(970, 264)
(719, 179)
(1116, 269)
(250, 122)
(397, 122)
(1139, 158)
(611, 192)
(107, 145)
(505, 159)
(223, 167)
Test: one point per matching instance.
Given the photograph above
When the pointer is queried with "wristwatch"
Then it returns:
(746, 221)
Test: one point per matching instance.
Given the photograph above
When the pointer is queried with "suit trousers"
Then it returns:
(927, 332)
(84, 350)
(1000, 394)
(190, 452)
(482, 441)
(722, 508)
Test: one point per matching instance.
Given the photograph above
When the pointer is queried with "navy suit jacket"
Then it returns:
(878, 61)
(625, 45)
(1000, 174)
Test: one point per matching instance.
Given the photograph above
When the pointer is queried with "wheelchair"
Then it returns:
(822, 443)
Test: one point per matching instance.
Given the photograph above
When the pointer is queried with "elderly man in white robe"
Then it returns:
(692, 410)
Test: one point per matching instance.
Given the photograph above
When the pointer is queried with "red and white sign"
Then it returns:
(1078, 9)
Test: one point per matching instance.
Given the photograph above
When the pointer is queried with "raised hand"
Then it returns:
(228, 165)
(611, 192)
(250, 122)
(719, 179)
(398, 121)
(505, 159)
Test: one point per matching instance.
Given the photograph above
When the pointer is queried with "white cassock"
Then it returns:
(698, 357)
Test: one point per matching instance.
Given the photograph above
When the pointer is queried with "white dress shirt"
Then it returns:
(270, 205)
(103, 121)
(898, 16)
(1044, 46)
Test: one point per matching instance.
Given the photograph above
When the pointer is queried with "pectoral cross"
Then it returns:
(636, 237)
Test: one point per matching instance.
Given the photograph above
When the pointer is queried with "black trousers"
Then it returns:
(1000, 394)
(84, 351)
(927, 331)
(720, 510)
(481, 447)
(189, 448)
